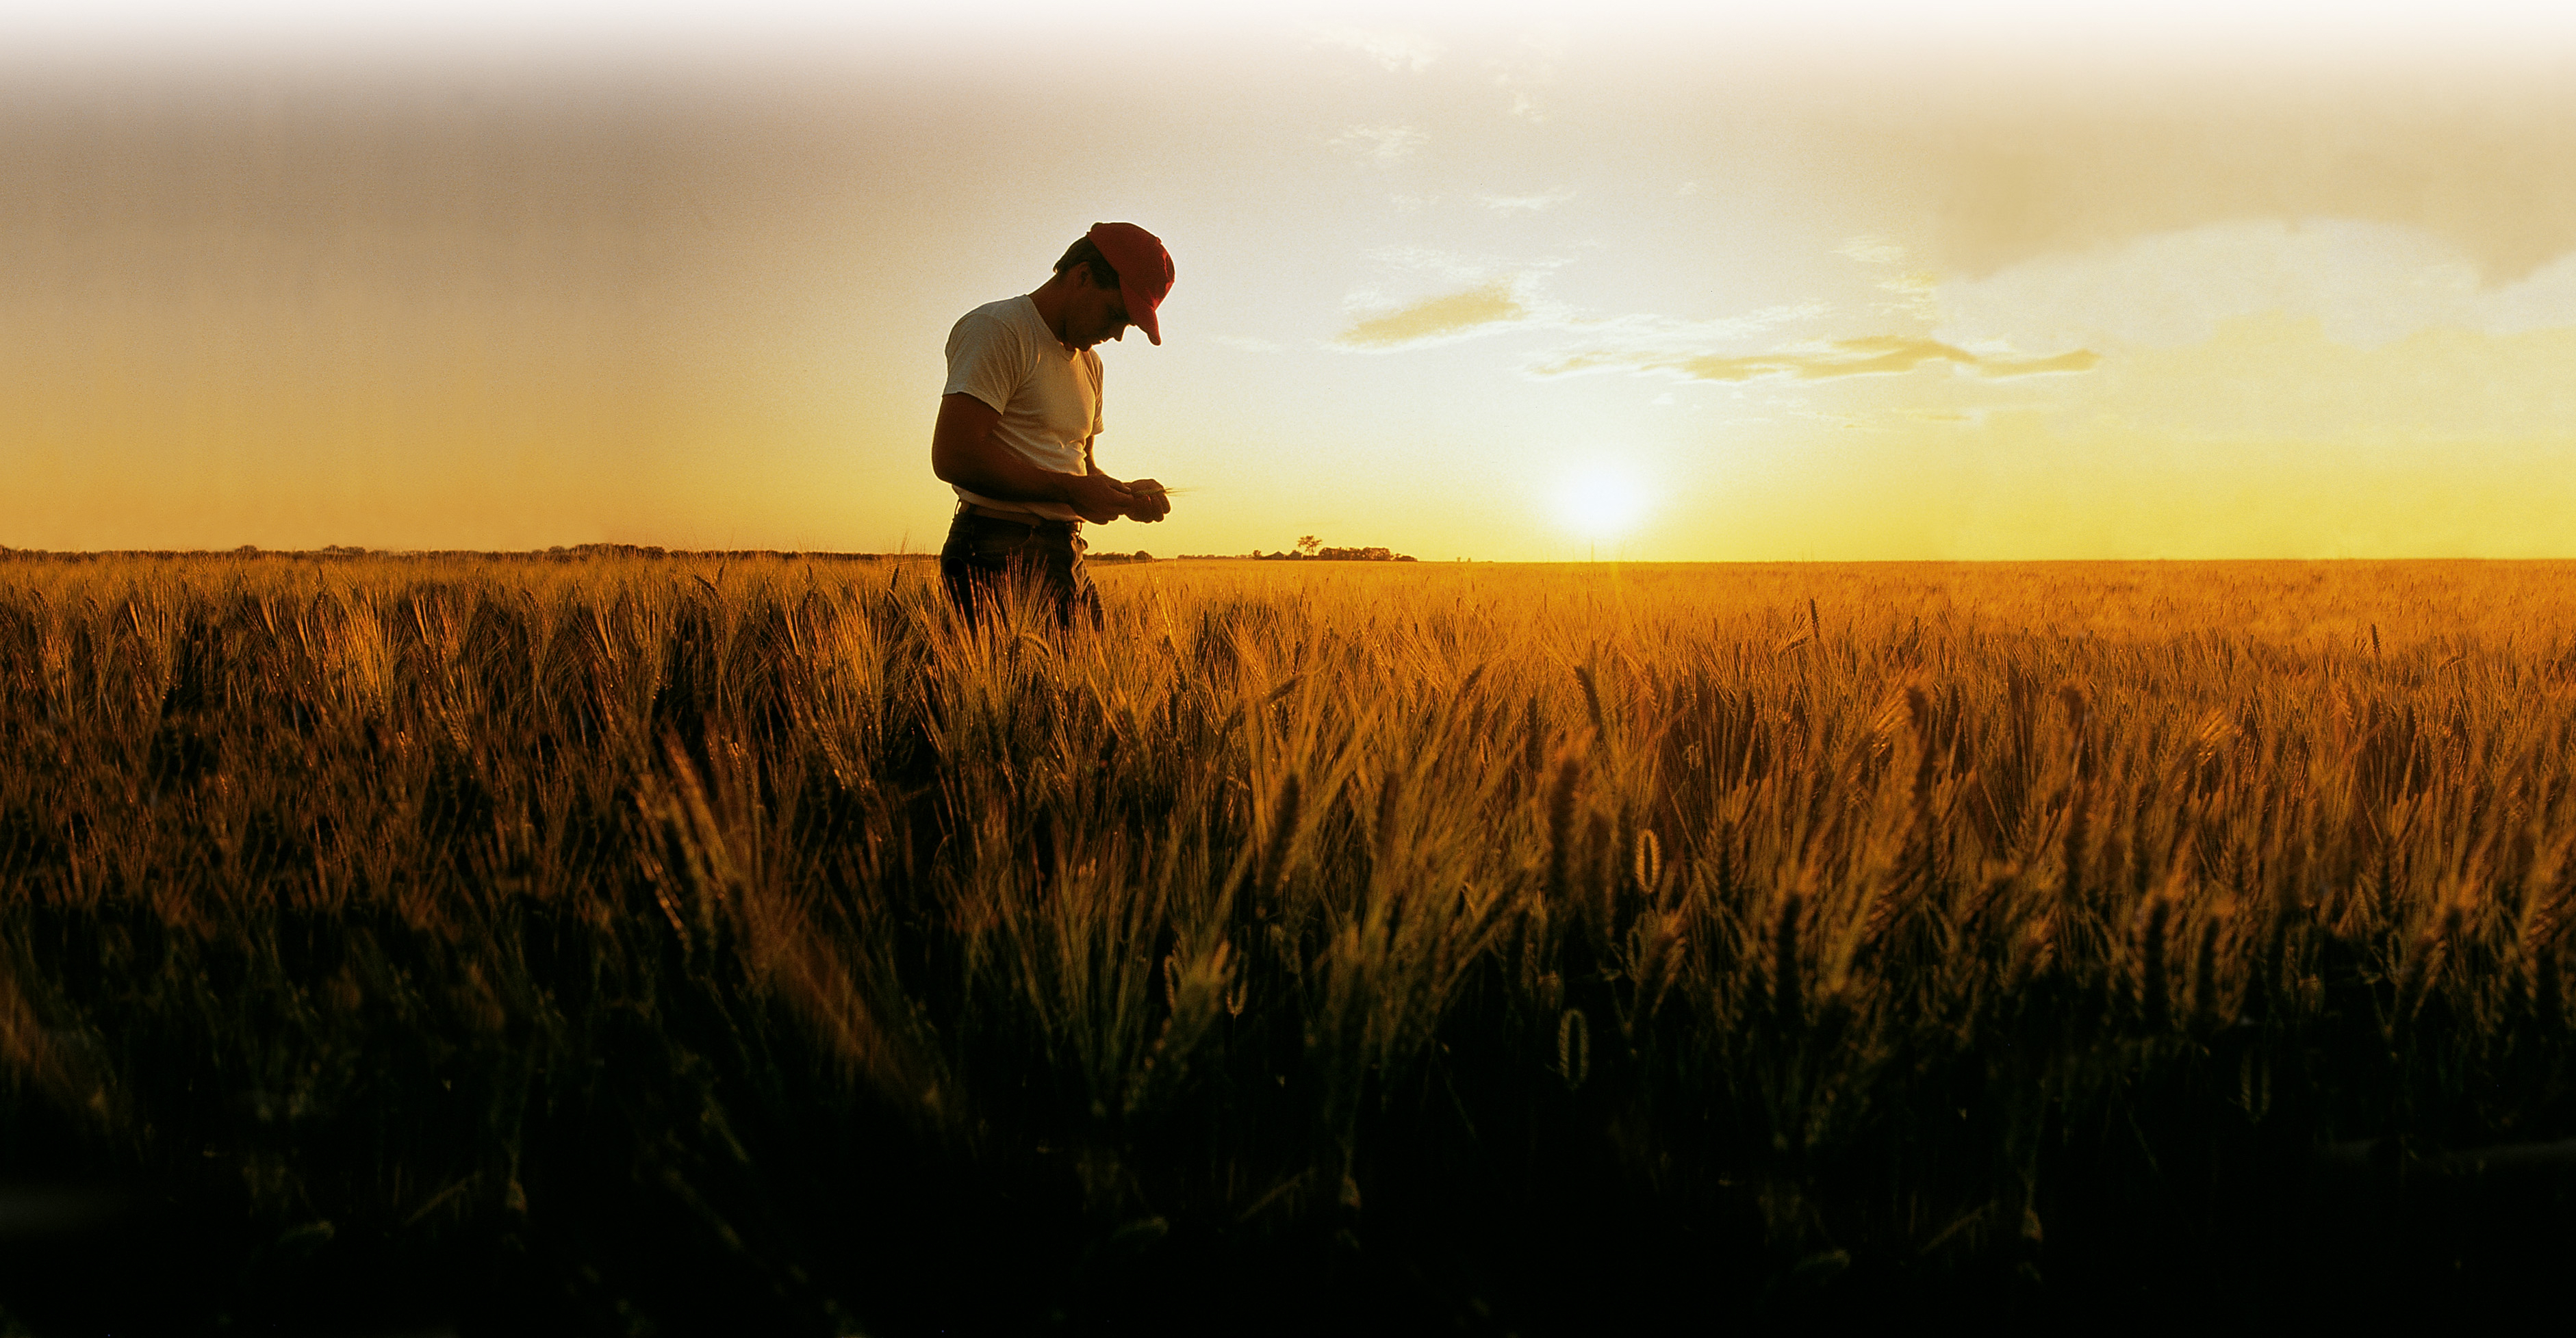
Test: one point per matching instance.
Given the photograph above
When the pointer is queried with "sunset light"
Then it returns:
(1602, 506)
(1545, 669)
(2008, 287)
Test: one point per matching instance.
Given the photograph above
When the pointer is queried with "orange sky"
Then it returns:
(1534, 284)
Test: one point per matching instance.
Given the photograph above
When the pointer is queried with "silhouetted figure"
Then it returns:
(1022, 408)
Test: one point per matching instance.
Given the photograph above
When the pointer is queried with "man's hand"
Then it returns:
(1150, 503)
(1097, 498)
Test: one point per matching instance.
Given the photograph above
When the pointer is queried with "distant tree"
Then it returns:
(1143, 556)
(1308, 544)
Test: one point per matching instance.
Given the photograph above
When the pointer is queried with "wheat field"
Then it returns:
(691, 944)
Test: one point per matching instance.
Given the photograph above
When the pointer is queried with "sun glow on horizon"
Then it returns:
(1601, 504)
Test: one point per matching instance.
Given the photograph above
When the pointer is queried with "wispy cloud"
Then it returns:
(1498, 301)
(1445, 266)
(1481, 310)
(1918, 295)
(1871, 250)
(1649, 336)
(1529, 66)
(1398, 52)
(1248, 344)
(1877, 356)
(1917, 292)
(2368, 283)
(1524, 204)
(1385, 145)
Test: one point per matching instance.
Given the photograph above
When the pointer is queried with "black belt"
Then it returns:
(1014, 517)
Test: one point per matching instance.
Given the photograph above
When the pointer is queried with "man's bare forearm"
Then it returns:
(1000, 473)
(963, 451)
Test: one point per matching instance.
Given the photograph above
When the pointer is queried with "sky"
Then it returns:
(1517, 282)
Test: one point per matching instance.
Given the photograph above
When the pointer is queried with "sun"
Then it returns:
(1601, 504)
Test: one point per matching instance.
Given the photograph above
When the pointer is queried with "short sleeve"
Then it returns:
(983, 360)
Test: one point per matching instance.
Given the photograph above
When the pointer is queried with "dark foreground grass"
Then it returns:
(659, 946)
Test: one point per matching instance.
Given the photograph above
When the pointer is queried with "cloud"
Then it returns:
(1872, 250)
(1877, 356)
(1481, 310)
(1657, 334)
(1518, 204)
(1447, 266)
(1385, 145)
(1918, 295)
(2368, 284)
(1529, 66)
(2544, 300)
(1398, 52)
(1917, 291)
(1656, 345)
(1248, 344)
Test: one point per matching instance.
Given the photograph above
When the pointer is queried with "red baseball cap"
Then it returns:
(1144, 271)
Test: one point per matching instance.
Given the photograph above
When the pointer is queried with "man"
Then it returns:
(1017, 422)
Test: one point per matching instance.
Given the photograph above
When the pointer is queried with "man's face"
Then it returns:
(1093, 314)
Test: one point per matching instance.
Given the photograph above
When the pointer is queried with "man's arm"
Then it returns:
(964, 452)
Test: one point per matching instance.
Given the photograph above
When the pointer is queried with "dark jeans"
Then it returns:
(984, 555)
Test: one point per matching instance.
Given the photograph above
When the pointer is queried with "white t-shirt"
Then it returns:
(1003, 354)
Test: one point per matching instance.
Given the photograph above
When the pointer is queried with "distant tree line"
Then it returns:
(1310, 548)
